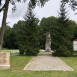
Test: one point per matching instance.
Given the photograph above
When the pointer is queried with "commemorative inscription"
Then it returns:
(4, 60)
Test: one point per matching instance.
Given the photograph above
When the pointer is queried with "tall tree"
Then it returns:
(63, 12)
(64, 34)
(5, 10)
(31, 29)
(27, 33)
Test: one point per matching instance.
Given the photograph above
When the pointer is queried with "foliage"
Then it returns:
(10, 41)
(27, 34)
(19, 33)
(75, 32)
(72, 4)
(33, 2)
(64, 34)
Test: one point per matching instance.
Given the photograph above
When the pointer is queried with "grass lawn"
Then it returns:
(19, 62)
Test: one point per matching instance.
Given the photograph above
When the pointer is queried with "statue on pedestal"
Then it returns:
(48, 42)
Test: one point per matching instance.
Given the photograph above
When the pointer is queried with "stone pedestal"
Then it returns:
(4, 60)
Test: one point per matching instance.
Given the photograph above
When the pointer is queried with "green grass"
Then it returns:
(17, 65)
(19, 62)
(11, 50)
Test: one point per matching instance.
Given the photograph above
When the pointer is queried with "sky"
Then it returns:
(51, 8)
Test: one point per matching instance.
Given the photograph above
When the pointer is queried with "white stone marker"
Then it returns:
(75, 45)
(4, 60)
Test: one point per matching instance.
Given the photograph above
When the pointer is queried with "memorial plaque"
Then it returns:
(75, 45)
(4, 60)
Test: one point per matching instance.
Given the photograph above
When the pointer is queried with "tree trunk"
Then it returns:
(5, 10)
(48, 42)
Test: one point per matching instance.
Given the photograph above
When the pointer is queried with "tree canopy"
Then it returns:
(63, 44)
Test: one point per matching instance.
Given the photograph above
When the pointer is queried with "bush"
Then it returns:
(28, 51)
(63, 51)
(21, 50)
(33, 52)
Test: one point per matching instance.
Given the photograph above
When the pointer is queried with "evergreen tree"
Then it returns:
(64, 34)
(63, 12)
(30, 42)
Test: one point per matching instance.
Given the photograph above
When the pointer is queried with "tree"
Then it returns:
(10, 40)
(27, 33)
(31, 33)
(5, 10)
(64, 34)
(74, 30)
(19, 31)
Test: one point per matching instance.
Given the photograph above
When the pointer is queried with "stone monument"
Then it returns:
(48, 42)
(75, 45)
(4, 60)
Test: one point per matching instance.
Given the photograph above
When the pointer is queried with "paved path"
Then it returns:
(46, 62)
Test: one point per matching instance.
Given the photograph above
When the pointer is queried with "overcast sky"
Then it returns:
(51, 8)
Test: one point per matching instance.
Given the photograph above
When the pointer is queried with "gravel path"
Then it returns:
(46, 62)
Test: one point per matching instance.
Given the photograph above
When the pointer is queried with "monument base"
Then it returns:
(4, 66)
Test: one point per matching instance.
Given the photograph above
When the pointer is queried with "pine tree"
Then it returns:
(63, 13)
(64, 34)
(30, 44)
